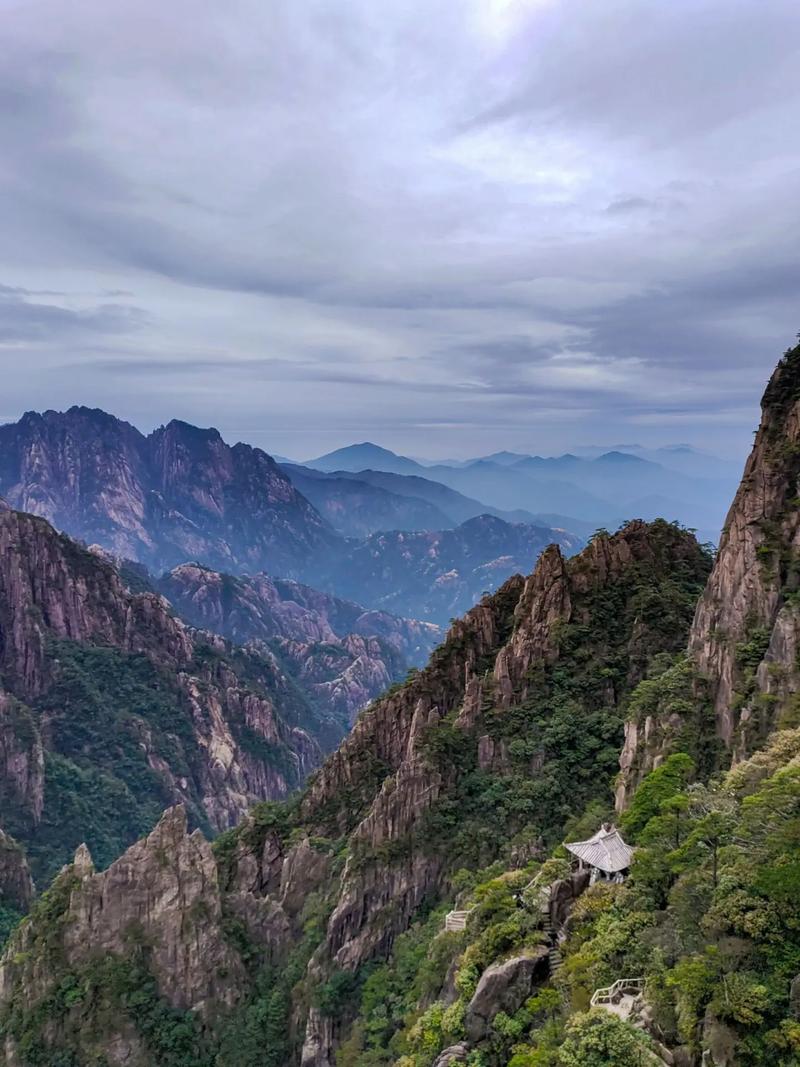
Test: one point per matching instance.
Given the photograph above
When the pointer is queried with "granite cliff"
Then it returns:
(740, 677)
(180, 493)
(480, 757)
(111, 707)
(340, 654)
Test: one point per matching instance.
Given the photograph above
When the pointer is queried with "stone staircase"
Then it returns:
(554, 952)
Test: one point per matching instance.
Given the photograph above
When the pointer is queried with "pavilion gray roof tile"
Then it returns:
(606, 851)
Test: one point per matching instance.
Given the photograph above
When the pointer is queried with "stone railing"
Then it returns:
(620, 988)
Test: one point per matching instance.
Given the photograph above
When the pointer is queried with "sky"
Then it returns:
(449, 228)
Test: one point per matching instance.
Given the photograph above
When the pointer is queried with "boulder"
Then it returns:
(504, 987)
(454, 1054)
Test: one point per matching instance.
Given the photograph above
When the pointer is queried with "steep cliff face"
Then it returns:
(745, 633)
(340, 654)
(514, 724)
(97, 940)
(180, 493)
(112, 707)
(740, 677)
(16, 883)
(534, 677)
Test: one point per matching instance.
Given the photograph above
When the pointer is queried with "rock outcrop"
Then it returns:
(745, 632)
(180, 493)
(16, 884)
(157, 909)
(743, 645)
(341, 654)
(117, 685)
(504, 987)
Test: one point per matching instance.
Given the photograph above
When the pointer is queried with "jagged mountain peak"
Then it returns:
(514, 719)
(177, 429)
(747, 625)
(179, 493)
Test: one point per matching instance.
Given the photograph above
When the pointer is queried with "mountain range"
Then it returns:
(181, 494)
(599, 487)
(413, 905)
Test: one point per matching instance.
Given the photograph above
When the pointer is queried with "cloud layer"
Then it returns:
(453, 227)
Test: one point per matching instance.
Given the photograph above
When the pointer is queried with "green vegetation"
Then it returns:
(110, 719)
(9, 920)
(106, 996)
(709, 917)
(598, 1039)
(710, 914)
(105, 712)
(259, 1033)
(562, 739)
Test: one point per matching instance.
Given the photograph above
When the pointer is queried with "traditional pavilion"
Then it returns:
(605, 854)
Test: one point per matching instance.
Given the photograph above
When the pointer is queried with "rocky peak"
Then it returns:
(179, 493)
(16, 884)
(158, 906)
(109, 680)
(747, 629)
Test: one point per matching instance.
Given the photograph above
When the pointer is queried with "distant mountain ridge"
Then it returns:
(446, 505)
(599, 487)
(183, 495)
(365, 456)
(179, 493)
(340, 655)
(434, 575)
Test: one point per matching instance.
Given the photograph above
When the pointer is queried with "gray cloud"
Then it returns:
(23, 318)
(537, 223)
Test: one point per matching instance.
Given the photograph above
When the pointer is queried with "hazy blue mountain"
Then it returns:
(357, 507)
(452, 504)
(433, 575)
(502, 459)
(509, 488)
(365, 456)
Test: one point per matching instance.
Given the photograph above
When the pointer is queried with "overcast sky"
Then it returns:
(448, 227)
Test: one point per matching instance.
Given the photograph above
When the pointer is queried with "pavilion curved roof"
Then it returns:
(606, 851)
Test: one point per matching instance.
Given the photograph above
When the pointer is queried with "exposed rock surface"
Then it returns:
(563, 894)
(455, 1054)
(747, 622)
(340, 653)
(16, 884)
(180, 493)
(237, 728)
(163, 897)
(745, 637)
(504, 987)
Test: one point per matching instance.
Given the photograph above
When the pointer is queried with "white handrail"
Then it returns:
(457, 920)
(608, 994)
